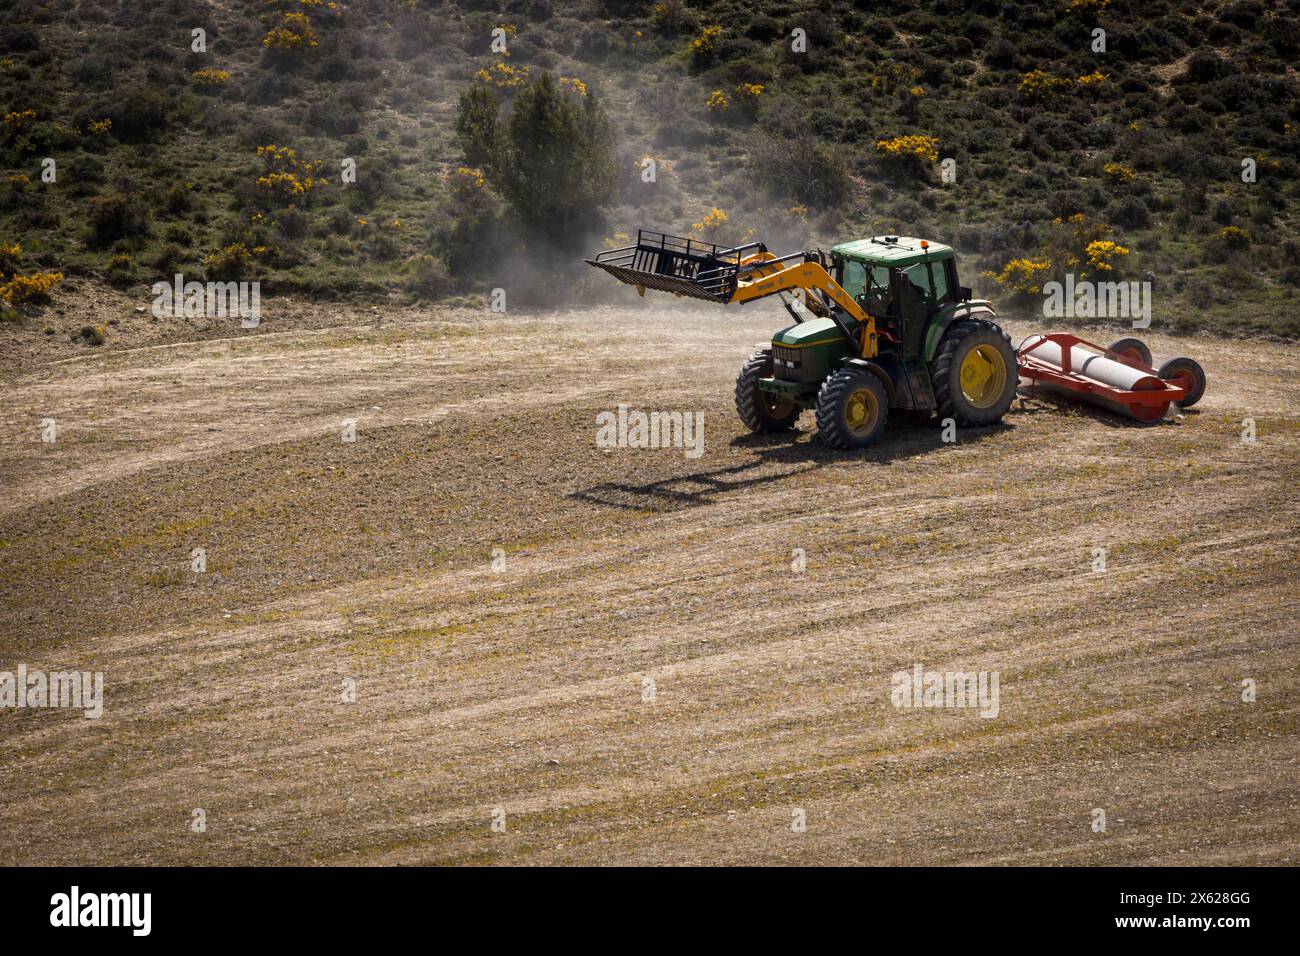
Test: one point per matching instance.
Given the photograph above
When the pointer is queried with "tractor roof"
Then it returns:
(891, 250)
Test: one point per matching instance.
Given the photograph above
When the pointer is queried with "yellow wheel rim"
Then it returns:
(861, 410)
(983, 376)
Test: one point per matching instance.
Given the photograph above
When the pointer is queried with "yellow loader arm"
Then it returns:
(809, 276)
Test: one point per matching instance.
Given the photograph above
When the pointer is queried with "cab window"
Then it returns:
(919, 276)
(875, 298)
(942, 290)
(855, 278)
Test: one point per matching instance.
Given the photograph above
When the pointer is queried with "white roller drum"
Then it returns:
(1094, 365)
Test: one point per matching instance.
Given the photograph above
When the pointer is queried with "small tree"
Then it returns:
(476, 126)
(559, 165)
(552, 158)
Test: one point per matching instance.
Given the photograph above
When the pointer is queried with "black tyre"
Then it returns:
(1132, 348)
(852, 408)
(974, 373)
(1187, 373)
(761, 411)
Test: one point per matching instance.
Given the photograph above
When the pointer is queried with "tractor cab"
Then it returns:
(900, 281)
(909, 287)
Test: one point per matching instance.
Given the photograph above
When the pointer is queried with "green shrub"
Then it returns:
(426, 277)
(179, 198)
(673, 16)
(120, 270)
(292, 222)
(1129, 212)
(803, 168)
(339, 221)
(231, 262)
(170, 259)
(137, 113)
(117, 216)
(179, 235)
(92, 334)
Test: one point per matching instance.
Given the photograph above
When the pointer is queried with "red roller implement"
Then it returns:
(1064, 363)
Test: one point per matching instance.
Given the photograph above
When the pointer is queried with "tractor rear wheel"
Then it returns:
(1187, 373)
(762, 412)
(852, 408)
(1131, 348)
(974, 373)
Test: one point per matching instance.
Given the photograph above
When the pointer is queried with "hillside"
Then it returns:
(158, 163)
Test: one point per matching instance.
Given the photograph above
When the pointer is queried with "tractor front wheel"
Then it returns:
(974, 373)
(762, 412)
(852, 407)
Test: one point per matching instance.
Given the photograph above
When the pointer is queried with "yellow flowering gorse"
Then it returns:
(1235, 236)
(1040, 85)
(294, 35)
(18, 119)
(1022, 276)
(1103, 253)
(33, 288)
(287, 176)
(922, 147)
(209, 78)
(705, 44)
(713, 220)
(503, 76)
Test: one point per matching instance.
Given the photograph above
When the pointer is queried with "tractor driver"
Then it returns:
(875, 298)
(912, 298)
(891, 295)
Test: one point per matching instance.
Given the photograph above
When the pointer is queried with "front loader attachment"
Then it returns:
(701, 270)
(682, 266)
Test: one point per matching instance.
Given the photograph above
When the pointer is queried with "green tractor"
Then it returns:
(881, 323)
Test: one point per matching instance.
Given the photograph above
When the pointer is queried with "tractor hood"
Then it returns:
(812, 332)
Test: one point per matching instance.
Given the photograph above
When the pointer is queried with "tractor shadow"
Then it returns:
(777, 458)
(689, 490)
(780, 457)
(912, 437)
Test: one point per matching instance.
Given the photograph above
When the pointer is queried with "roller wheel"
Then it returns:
(1187, 373)
(974, 373)
(852, 408)
(1133, 349)
(761, 411)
